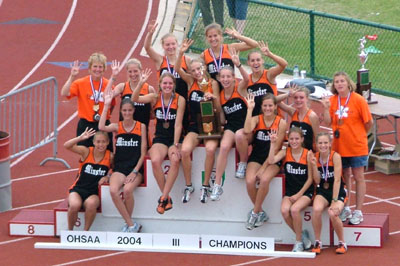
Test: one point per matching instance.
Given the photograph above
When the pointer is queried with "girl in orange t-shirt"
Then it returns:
(348, 114)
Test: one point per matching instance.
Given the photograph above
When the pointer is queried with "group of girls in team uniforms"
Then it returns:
(250, 112)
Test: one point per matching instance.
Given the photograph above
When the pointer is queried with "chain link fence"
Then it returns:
(317, 42)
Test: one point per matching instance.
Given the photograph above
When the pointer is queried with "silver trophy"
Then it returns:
(363, 55)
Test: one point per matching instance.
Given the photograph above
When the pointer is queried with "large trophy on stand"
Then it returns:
(208, 120)
(363, 83)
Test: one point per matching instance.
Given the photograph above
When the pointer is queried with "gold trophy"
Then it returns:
(363, 83)
(208, 121)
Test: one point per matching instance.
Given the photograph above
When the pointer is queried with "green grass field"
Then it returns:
(336, 41)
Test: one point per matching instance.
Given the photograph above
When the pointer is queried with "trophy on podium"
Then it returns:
(363, 83)
(208, 120)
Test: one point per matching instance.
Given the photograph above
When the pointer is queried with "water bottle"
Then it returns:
(296, 72)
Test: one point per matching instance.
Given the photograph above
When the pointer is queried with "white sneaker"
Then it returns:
(186, 193)
(305, 238)
(216, 192)
(205, 191)
(135, 228)
(345, 214)
(251, 221)
(356, 218)
(124, 228)
(298, 247)
(241, 170)
(262, 217)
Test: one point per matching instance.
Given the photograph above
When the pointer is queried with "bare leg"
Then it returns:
(226, 144)
(347, 176)
(242, 145)
(211, 147)
(74, 205)
(91, 204)
(336, 222)
(285, 210)
(265, 179)
(172, 173)
(251, 180)
(319, 205)
(295, 210)
(189, 143)
(361, 187)
(157, 154)
(128, 193)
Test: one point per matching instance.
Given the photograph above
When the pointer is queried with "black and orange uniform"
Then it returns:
(165, 135)
(81, 88)
(90, 173)
(259, 88)
(296, 174)
(305, 126)
(261, 141)
(181, 86)
(235, 109)
(195, 97)
(127, 148)
(142, 110)
(325, 187)
(226, 60)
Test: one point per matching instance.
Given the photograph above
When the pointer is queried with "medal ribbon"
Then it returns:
(345, 104)
(217, 66)
(96, 97)
(169, 68)
(325, 169)
(165, 114)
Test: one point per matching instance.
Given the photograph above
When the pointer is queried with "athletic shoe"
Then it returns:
(161, 205)
(186, 193)
(168, 206)
(262, 217)
(356, 218)
(241, 170)
(216, 192)
(298, 247)
(204, 194)
(345, 214)
(251, 221)
(135, 228)
(305, 238)
(124, 228)
(317, 247)
(342, 248)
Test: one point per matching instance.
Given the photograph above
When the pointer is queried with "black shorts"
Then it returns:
(126, 167)
(83, 124)
(193, 127)
(327, 193)
(165, 140)
(83, 193)
(232, 128)
(292, 191)
(260, 159)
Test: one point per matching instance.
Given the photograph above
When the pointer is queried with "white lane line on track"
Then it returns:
(394, 233)
(15, 240)
(59, 128)
(41, 175)
(255, 261)
(35, 205)
(60, 34)
(92, 258)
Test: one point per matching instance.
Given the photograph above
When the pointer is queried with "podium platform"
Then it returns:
(224, 217)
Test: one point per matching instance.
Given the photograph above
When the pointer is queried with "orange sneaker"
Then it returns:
(161, 205)
(168, 205)
(317, 247)
(342, 248)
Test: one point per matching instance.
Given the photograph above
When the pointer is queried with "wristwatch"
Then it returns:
(335, 199)
(135, 171)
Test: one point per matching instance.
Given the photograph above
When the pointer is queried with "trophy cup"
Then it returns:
(363, 83)
(208, 120)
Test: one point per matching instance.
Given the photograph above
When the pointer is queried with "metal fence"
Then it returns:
(319, 43)
(29, 116)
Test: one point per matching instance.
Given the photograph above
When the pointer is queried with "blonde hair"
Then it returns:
(167, 36)
(134, 61)
(214, 26)
(351, 84)
(165, 75)
(101, 133)
(97, 57)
